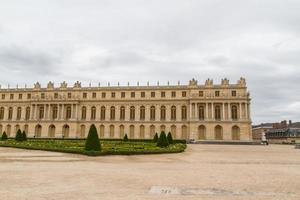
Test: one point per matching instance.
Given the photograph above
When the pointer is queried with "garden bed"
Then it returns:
(108, 147)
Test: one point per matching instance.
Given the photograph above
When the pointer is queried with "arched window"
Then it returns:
(111, 131)
(183, 113)
(19, 113)
(162, 128)
(54, 112)
(122, 113)
(102, 131)
(68, 112)
(1, 114)
(82, 131)
(8, 130)
(93, 113)
(26, 128)
(41, 112)
(38, 131)
(234, 112)
(152, 113)
(131, 131)
(27, 114)
(112, 113)
(122, 133)
(51, 131)
(83, 113)
(65, 131)
(173, 113)
(1, 127)
(142, 132)
(201, 132)
(142, 113)
(218, 112)
(163, 113)
(218, 132)
(132, 113)
(173, 131)
(201, 113)
(152, 131)
(10, 113)
(235, 133)
(184, 132)
(102, 114)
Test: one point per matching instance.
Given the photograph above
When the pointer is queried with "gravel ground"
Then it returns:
(202, 172)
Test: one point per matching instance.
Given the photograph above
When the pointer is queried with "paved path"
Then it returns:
(202, 172)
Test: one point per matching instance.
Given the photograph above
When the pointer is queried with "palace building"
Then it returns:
(201, 112)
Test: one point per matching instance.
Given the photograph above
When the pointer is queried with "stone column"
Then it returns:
(63, 111)
(212, 112)
(206, 111)
(240, 111)
(223, 111)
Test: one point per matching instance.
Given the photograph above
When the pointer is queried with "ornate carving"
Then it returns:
(193, 82)
(77, 84)
(37, 86)
(209, 82)
(50, 85)
(225, 82)
(63, 85)
(242, 82)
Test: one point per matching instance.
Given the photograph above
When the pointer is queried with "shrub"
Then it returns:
(24, 136)
(125, 139)
(92, 142)
(19, 136)
(155, 139)
(170, 138)
(162, 140)
(4, 136)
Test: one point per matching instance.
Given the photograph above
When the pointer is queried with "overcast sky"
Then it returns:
(140, 40)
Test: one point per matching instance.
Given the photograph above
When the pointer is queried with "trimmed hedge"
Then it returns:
(170, 138)
(19, 136)
(162, 140)
(92, 142)
(125, 139)
(4, 136)
(155, 139)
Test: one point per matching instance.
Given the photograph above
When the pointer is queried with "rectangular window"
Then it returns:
(217, 93)
(152, 94)
(113, 95)
(143, 94)
(94, 95)
(173, 94)
(122, 94)
(3, 96)
(55, 95)
(11, 96)
(20, 96)
(233, 93)
(28, 96)
(184, 94)
(84, 95)
(103, 95)
(69, 95)
(132, 94)
(163, 94)
(43, 95)
(201, 93)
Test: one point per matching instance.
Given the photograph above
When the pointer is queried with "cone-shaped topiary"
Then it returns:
(92, 142)
(24, 136)
(125, 139)
(155, 139)
(19, 136)
(170, 138)
(4, 136)
(162, 140)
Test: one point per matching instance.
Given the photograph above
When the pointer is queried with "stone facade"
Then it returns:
(200, 112)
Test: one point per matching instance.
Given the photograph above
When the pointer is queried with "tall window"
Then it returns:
(218, 112)
(132, 113)
(234, 112)
(83, 112)
(183, 113)
(102, 113)
(163, 113)
(68, 112)
(152, 113)
(41, 112)
(122, 113)
(201, 112)
(112, 113)
(142, 113)
(19, 112)
(93, 113)
(1, 113)
(54, 112)
(173, 113)
(10, 112)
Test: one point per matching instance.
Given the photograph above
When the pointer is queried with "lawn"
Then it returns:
(108, 147)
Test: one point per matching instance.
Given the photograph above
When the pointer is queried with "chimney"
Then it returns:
(290, 122)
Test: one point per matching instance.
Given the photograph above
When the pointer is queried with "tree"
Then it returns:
(170, 138)
(4, 136)
(125, 139)
(162, 140)
(24, 136)
(92, 142)
(155, 139)
(19, 136)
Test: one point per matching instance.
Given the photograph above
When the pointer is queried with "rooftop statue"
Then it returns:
(209, 82)
(77, 84)
(50, 85)
(37, 85)
(225, 82)
(63, 85)
(193, 82)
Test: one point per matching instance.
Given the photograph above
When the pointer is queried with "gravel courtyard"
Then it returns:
(202, 172)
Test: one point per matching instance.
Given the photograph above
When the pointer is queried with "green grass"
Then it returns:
(108, 147)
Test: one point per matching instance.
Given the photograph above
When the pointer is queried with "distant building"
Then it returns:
(258, 131)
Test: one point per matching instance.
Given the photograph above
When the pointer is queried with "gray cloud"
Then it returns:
(138, 40)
